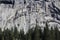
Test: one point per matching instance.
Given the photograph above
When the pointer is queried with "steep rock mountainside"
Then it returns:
(24, 13)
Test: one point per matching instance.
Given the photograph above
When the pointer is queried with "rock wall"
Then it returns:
(24, 16)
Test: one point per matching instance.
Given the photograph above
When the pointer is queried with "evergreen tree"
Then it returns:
(46, 33)
(41, 33)
(15, 33)
(37, 32)
(56, 33)
(7, 34)
(52, 34)
(0, 34)
(59, 35)
(12, 35)
(21, 35)
(29, 34)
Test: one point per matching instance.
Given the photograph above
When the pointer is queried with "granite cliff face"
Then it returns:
(23, 13)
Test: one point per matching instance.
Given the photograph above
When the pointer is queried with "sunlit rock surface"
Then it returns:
(23, 14)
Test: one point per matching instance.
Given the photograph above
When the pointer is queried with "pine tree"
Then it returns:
(15, 33)
(0, 34)
(56, 33)
(29, 34)
(59, 35)
(12, 35)
(7, 34)
(46, 33)
(41, 33)
(21, 35)
(52, 34)
(37, 32)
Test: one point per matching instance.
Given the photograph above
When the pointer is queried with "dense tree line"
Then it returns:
(33, 34)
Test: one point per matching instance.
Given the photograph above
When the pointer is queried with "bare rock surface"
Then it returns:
(23, 14)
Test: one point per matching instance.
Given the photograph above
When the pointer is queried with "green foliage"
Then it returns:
(15, 33)
(29, 34)
(52, 34)
(33, 34)
(21, 35)
(56, 33)
(0, 34)
(46, 33)
(37, 33)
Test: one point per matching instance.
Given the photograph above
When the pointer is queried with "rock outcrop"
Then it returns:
(23, 14)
